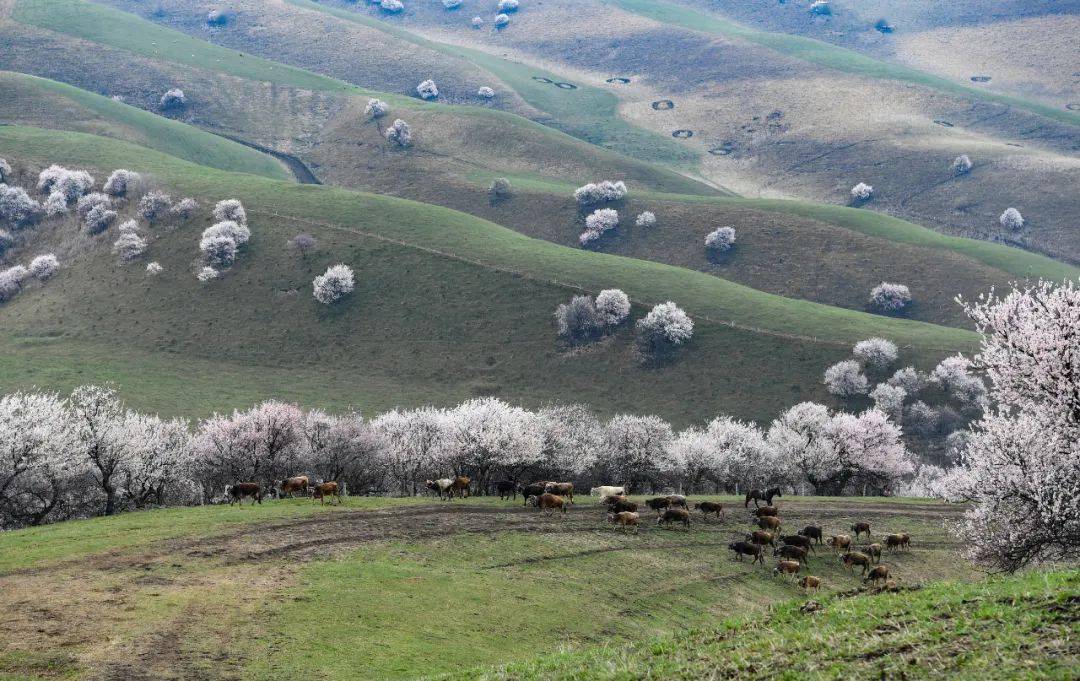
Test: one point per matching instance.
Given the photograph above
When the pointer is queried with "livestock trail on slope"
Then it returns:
(399, 588)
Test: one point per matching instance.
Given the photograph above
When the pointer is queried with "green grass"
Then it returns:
(164, 135)
(587, 113)
(831, 56)
(1002, 628)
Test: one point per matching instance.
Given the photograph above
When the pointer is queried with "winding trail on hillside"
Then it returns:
(298, 168)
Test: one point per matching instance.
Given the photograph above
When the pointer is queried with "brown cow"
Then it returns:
(799, 540)
(562, 489)
(859, 528)
(707, 507)
(548, 502)
(763, 511)
(874, 551)
(794, 552)
(241, 490)
(854, 558)
(326, 489)
(625, 519)
(624, 506)
(787, 567)
(769, 523)
(879, 573)
(761, 537)
(745, 548)
(658, 503)
(613, 499)
(811, 531)
(675, 515)
(840, 542)
(810, 582)
(296, 484)
(677, 501)
(460, 486)
(532, 490)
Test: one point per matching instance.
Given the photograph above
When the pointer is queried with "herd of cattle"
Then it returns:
(793, 550)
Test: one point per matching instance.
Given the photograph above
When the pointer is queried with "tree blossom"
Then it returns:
(910, 379)
(71, 184)
(17, 209)
(237, 231)
(376, 108)
(636, 449)
(88, 202)
(334, 284)
(720, 239)
(578, 319)
(43, 267)
(399, 133)
(56, 205)
(507, 6)
(572, 436)
(173, 99)
(600, 192)
(230, 210)
(129, 246)
(665, 328)
(99, 219)
(6, 174)
(154, 268)
(451, 4)
(121, 182)
(154, 205)
(845, 379)
(1012, 220)
(206, 274)
(889, 399)
(218, 250)
(97, 414)
(961, 165)
(876, 354)
(414, 445)
(612, 307)
(645, 219)
(392, 6)
(486, 436)
(477, 22)
(862, 192)
(11, 281)
(888, 297)
(501, 20)
(427, 89)
(485, 92)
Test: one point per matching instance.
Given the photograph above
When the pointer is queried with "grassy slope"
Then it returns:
(1015, 627)
(146, 129)
(832, 56)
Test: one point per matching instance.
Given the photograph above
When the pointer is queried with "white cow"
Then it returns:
(607, 491)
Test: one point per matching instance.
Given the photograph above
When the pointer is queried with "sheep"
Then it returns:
(787, 567)
(853, 558)
(840, 542)
(607, 491)
(874, 551)
(811, 532)
(788, 551)
(859, 528)
(675, 515)
(761, 537)
(769, 523)
(879, 573)
(625, 519)
(707, 507)
(745, 548)
(798, 540)
(763, 511)
(810, 582)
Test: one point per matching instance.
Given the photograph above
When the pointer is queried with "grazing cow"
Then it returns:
(798, 540)
(243, 490)
(794, 552)
(658, 504)
(905, 540)
(874, 551)
(607, 491)
(460, 486)
(766, 495)
(859, 528)
(613, 499)
(563, 489)
(745, 548)
(289, 486)
(441, 487)
(533, 490)
(548, 502)
(507, 489)
(623, 505)
(326, 489)
(625, 519)
(761, 537)
(879, 573)
(810, 582)
(840, 542)
(766, 510)
(812, 532)
(854, 558)
(707, 507)
(675, 515)
(897, 541)
(787, 567)
(769, 523)
(677, 501)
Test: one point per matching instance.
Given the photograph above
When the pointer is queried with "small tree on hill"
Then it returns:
(427, 90)
(154, 206)
(961, 165)
(665, 329)
(861, 192)
(376, 108)
(845, 379)
(334, 284)
(1012, 220)
(887, 297)
(43, 267)
(720, 240)
(399, 133)
(302, 243)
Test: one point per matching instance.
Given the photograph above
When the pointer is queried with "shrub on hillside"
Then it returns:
(216, 17)
(17, 209)
(887, 297)
(486, 92)
(218, 250)
(303, 243)
(720, 239)
(961, 164)
(99, 219)
(154, 205)
(861, 192)
(154, 268)
(846, 379)
(399, 133)
(908, 378)
(600, 192)
(597, 223)
(207, 274)
(1012, 220)
(820, 8)
(507, 6)
(129, 245)
(230, 209)
(890, 400)
(43, 267)
(663, 330)
(612, 307)
(11, 281)
(334, 284)
(128, 226)
(577, 320)
(392, 6)
(451, 4)
(500, 188)
(71, 184)
(427, 89)
(6, 174)
(376, 108)
(173, 99)
(88, 202)
(184, 209)
(645, 219)
(237, 231)
(876, 354)
(56, 205)
(121, 182)
(501, 20)
(477, 22)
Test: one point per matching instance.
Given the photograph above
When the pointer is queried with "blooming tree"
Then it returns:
(399, 133)
(887, 297)
(129, 246)
(206, 274)
(636, 450)
(720, 239)
(908, 378)
(121, 182)
(487, 436)
(645, 219)
(392, 6)
(600, 192)
(572, 436)
(218, 250)
(88, 202)
(876, 354)
(154, 205)
(230, 210)
(11, 281)
(154, 268)
(43, 267)
(97, 415)
(1012, 220)
(376, 108)
(507, 6)
(845, 379)
(414, 445)
(451, 4)
(485, 92)
(862, 192)
(477, 22)
(99, 219)
(577, 320)
(612, 307)
(961, 165)
(71, 184)
(597, 223)
(173, 99)
(501, 20)
(427, 89)
(889, 399)
(334, 284)
(663, 330)
(6, 175)
(184, 209)
(17, 209)
(303, 242)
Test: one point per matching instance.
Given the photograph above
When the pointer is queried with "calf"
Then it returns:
(874, 551)
(460, 486)
(507, 489)
(788, 551)
(798, 540)
(812, 532)
(607, 491)
(548, 502)
(859, 528)
(675, 515)
(840, 542)
(243, 490)
(905, 540)
(745, 548)
(763, 511)
(625, 519)
(611, 500)
(296, 484)
(658, 503)
(769, 523)
(761, 537)
(440, 487)
(879, 573)
(707, 507)
(854, 558)
(624, 506)
(892, 541)
(562, 489)
(676, 501)
(326, 489)
(810, 582)
(787, 567)
(533, 490)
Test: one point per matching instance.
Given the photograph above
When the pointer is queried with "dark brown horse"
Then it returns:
(765, 495)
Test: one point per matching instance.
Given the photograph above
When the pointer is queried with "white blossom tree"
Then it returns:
(910, 379)
(17, 209)
(230, 210)
(173, 98)
(98, 414)
(206, 274)
(485, 92)
(861, 192)
(392, 6)
(99, 219)
(218, 250)
(507, 6)
(636, 450)
(600, 192)
(376, 108)
(121, 181)
(612, 307)
(427, 89)
(487, 436)
(154, 205)
(889, 399)
(961, 165)
(154, 268)
(572, 436)
(889, 297)
(334, 284)
(720, 239)
(1012, 220)
(663, 330)
(157, 458)
(645, 219)
(129, 246)
(6, 174)
(184, 209)
(876, 354)
(501, 20)
(477, 22)
(577, 320)
(399, 133)
(44, 267)
(414, 445)
(846, 379)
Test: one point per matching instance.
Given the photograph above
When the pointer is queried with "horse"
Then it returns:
(764, 495)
